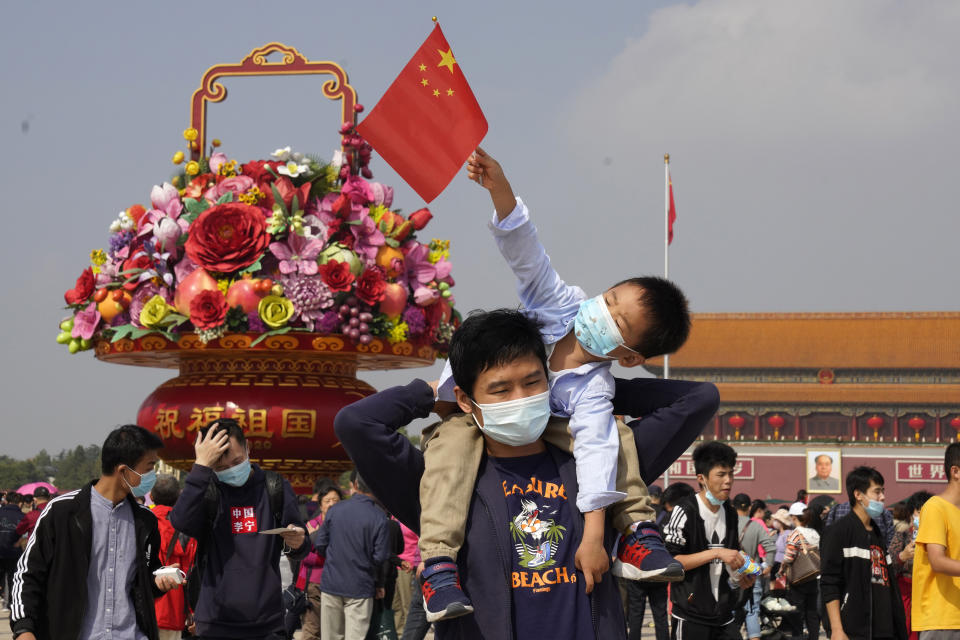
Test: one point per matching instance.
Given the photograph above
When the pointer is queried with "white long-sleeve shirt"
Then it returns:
(584, 394)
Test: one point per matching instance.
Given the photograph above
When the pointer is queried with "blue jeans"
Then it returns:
(752, 606)
(416, 626)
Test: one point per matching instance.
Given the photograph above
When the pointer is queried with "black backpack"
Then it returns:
(211, 508)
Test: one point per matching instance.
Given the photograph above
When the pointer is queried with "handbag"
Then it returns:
(806, 566)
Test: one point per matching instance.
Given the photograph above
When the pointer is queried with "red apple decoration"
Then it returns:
(189, 287)
(245, 293)
(394, 299)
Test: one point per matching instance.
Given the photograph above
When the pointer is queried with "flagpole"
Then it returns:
(666, 267)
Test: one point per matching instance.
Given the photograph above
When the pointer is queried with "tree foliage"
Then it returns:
(67, 470)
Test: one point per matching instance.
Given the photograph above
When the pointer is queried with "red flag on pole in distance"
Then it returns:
(671, 208)
(428, 122)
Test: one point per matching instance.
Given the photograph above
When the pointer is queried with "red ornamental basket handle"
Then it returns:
(256, 64)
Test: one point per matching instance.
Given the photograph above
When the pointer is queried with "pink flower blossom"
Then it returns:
(299, 253)
(85, 322)
(425, 296)
(368, 238)
(216, 161)
(419, 270)
(235, 185)
(382, 194)
(163, 221)
(358, 189)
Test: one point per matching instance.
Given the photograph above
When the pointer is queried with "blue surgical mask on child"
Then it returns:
(596, 330)
(235, 476)
(515, 422)
(147, 480)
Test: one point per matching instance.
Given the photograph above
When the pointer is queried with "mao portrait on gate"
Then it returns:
(823, 471)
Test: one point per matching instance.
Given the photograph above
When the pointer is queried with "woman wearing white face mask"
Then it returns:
(902, 549)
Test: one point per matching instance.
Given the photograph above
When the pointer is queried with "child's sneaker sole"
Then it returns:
(671, 573)
(453, 610)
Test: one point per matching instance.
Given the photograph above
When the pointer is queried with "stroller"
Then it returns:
(775, 611)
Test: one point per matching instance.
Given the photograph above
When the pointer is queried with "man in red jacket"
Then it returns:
(172, 611)
(41, 496)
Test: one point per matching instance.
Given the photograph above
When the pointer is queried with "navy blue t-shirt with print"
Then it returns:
(548, 599)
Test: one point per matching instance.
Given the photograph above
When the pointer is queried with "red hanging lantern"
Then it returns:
(917, 424)
(776, 421)
(736, 421)
(955, 424)
(875, 422)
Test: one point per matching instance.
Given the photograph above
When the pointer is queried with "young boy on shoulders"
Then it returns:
(636, 319)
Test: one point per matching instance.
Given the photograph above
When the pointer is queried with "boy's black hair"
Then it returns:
(676, 492)
(232, 427)
(166, 491)
(668, 316)
(757, 505)
(12, 497)
(860, 480)
(951, 458)
(490, 339)
(709, 455)
(126, 445)
(916, 501)
(741, 501)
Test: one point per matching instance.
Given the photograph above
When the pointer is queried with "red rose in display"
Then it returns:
(371, 286)
(83, 288)
(228, 237)
(336, 275)
(139, 261)
(257, 170)
(420, 218)
(208, 310)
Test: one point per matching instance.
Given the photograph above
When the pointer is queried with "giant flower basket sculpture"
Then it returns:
(268, 284)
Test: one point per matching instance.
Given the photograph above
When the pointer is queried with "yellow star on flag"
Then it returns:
(446, 59)
(449, 92)
(423, 67)
(436, 93)
(424, 81)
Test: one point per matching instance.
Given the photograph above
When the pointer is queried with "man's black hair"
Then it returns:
(358, 480)
(667, 314)
(323, 486)
(741, 501)
(676, 492)
(230, 425)
(12, 497)
(41, 492)
(860, 480)
(166, 491)
(490, 339)
(757, 505)
(916, 501)
(951, 458)
(712, 454)
(127, 445)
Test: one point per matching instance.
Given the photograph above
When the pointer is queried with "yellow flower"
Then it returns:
(252, 196)
(175, 181)
(229, 169)
(192, 168)
(177, 157)
(275, 311)
(98, 257)
(398, 333)
(190, 134)
(215, 142)
(224, 284)
(154, 311)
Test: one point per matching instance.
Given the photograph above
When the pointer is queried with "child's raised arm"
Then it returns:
(487, 172)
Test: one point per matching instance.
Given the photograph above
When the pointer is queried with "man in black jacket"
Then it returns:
(856, 574)
(10, 517)
(702, 536)
(87, 571)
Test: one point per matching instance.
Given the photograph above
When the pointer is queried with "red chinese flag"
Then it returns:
(671, 209)
(428, 122)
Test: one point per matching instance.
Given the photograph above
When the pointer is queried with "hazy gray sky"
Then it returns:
(813, 145)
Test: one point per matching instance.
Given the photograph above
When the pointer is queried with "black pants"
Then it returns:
(806, 597)
(684, 630)
(659, 448)
(638, 593)
(8, 567)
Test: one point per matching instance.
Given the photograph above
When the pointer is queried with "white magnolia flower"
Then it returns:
(296, 156)
(339, 157)
(292, 169)
(281, 154)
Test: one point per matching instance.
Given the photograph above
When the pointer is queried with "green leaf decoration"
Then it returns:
(225, 198)
(122, 332)
(278, 199)
(195, 206)
(295, 204)
(275, 332)
(391, 242)
(256, 266)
